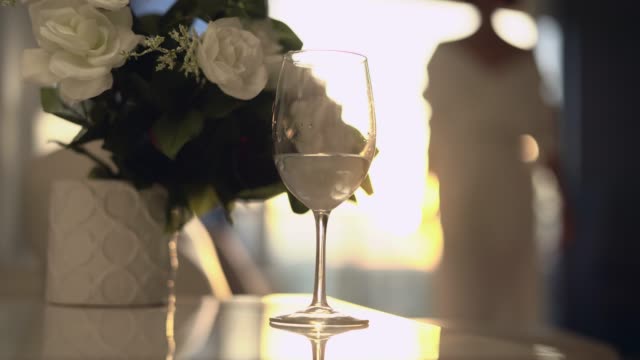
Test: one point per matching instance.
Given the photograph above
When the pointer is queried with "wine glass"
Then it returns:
(324, 137)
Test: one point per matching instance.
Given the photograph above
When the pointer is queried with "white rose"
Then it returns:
(232, 58)
(109, 4)
(271, 49)
(79, 45)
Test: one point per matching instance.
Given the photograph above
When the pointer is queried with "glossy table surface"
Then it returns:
(205, 328)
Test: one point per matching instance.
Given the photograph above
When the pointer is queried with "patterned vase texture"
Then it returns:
(106, 333)
(107, 245)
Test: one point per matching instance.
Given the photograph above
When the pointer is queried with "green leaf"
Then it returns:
(182, 12)
(186, 11)
(201, 198)
(100, 113)
(286, 37)
(88, 134)
(218, 104)
(139, 88)
(147, 25)
(171, 135)
(236, 11)
(261, 106)
(366, 185)
(100, 163)
(208, 9)
(171, 91)
(52, 104)
(257, 8)
(247, 8)
(261, 193)
(99, 172)
(297, 206)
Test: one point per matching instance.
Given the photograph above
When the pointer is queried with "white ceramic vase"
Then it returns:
(107, 333)
(107, 245)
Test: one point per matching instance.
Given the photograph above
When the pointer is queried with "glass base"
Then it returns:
(317, 316)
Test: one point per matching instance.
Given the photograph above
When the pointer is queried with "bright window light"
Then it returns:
(49, 128)
(516, 28)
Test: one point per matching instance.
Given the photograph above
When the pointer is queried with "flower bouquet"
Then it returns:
(180, 99)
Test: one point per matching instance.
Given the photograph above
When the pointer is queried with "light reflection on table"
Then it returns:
(204, 328)
(387, 337)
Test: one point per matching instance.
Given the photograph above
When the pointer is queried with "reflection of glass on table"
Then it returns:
(318, 336)
(206, 328)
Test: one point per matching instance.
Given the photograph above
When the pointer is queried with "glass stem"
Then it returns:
(318, 347)
(319, 287)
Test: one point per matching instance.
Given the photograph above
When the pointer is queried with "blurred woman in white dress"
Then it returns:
(485, 97)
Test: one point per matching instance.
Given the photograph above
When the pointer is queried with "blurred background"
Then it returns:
(383, 251)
